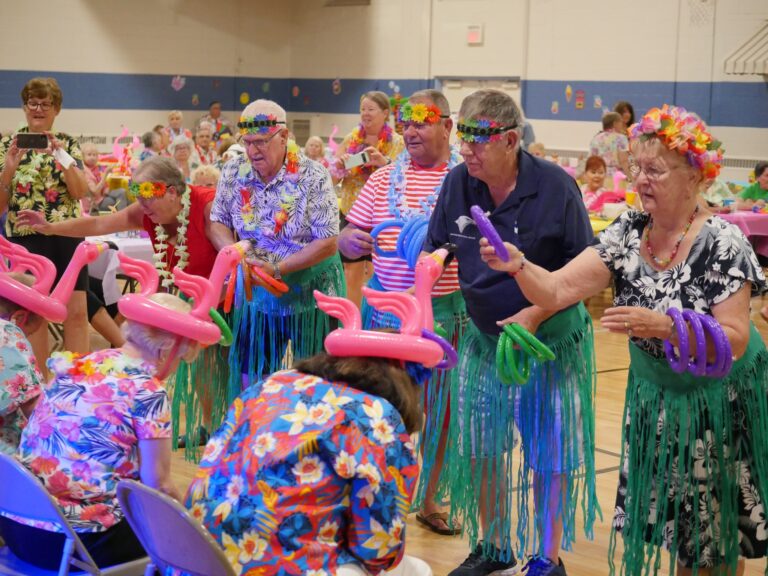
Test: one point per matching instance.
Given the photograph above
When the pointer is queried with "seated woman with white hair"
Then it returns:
(105, 417)
(180, 149)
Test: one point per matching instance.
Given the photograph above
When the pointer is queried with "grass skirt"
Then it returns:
(694, 464)
(450, 312)
(554, 413)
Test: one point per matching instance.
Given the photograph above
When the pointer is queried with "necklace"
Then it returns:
(664, 262)
(398, 186)
(357, 144)
(162, 248)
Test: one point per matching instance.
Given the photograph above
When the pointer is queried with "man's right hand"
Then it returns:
(355, 243)
(34, 220)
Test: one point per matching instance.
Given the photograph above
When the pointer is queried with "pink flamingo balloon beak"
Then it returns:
(142, 271)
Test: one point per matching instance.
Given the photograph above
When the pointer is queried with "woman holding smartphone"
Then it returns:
(371, 145)
(41, 170)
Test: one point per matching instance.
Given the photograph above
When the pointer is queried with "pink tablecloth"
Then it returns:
(754, 226)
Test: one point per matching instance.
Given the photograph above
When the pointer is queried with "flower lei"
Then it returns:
(396, 200)
(259, 124)
(146, 190)
(357, 144)
(287, 198)
(419, 114)
(160, 246)
(480, 131)
(684, 132)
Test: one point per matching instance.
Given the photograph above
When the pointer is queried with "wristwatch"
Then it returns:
(277, 275)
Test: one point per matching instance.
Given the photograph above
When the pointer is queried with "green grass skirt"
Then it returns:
(700, 443)
(451, 313)
(483, 434)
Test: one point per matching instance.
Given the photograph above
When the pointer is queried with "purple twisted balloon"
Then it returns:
(490, 233)
(451, 358)
(680, 364)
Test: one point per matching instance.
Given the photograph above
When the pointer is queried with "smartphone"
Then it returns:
(356, 160)
(33, 140)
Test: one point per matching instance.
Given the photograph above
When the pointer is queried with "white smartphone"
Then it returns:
(356, 160)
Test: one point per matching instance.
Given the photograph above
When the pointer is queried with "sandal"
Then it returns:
(429, 523)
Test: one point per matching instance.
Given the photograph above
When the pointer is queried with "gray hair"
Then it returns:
(266, 107)
(436, 97)
(154, 343)
(493, 105)
(161, 169)
(204, 125)
(609, 119)
(180, 141)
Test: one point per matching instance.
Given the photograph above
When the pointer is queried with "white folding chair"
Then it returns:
(409, 566)
(23, 495)
(169, 533)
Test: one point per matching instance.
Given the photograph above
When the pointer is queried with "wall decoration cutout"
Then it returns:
(216, 83)
(265, 87)
(245, 98)
(555, 108)
(195, 100)
(580, 97)
(177, 82)
(336, 87)
(295, 91)
(597, 102)
(568, 93)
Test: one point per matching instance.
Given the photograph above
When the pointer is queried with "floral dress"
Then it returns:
(20, 382)
(720, 261)
(39, 185)
(82, 438)
(306, 475)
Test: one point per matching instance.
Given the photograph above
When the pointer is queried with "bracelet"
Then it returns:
(522, 265)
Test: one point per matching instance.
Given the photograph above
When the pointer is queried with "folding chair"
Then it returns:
(169, 534)
(23, 495)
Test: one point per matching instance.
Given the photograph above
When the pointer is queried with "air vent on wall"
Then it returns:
(300, 129)
(338, 3)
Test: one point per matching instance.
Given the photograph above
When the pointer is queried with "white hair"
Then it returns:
(179, 141)
(155, 343)
(265, 107)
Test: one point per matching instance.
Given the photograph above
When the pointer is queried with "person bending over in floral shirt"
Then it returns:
(20, 380)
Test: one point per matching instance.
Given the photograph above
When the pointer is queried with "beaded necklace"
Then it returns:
(357, 144)
(664, 262)
(288, 197)
(396, 199)
(161, 247)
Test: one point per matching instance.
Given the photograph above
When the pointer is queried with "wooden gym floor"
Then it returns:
(588, 558)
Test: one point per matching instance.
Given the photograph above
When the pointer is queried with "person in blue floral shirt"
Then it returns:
(313, 469)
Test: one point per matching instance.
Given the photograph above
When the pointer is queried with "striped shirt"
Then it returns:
(372, 208)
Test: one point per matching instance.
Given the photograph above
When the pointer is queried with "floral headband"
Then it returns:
(420, 114)
(147, 190)
(684, 132)
(259, 124)
(481, 131)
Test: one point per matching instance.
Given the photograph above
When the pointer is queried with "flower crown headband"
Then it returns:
(481, 131)
(259, 124)
(420, 114)
(147, 190)
(683, 132)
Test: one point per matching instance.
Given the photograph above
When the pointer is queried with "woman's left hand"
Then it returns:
(263, 264)
(376, 158)
(636, 321)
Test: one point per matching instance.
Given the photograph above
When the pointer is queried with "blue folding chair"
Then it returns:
(23, 495)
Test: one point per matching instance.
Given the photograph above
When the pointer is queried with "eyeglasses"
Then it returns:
(44, 106)
(260, 144)
(652, 173)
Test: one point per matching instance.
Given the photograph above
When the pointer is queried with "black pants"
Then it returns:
(43, 548)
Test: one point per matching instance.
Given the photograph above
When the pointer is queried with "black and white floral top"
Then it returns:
(721, 260)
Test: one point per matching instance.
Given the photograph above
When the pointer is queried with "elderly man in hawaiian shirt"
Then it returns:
(284, 204)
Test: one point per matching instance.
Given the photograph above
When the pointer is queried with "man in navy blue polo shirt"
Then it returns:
(535, 205)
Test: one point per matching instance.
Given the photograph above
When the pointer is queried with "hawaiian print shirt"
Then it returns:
(309, 200)
(39, 185)
(82, 438)
(20, 382)
(607, 145)
(306, 475)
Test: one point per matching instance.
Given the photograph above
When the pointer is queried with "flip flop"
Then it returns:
(428, 522)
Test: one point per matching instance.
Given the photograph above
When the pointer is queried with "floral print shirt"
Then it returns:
(607, 145)
(720, 261)
(20, 382)
(82, 438)
(308, 199)
(306, 475)
(39, 185)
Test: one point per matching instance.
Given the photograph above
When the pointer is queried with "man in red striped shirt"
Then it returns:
(405, 191)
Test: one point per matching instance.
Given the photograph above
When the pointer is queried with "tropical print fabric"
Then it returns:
(19, 383)
(306, 475)
(39, 185)
(82, 438)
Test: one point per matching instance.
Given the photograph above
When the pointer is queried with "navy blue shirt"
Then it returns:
(544, 217)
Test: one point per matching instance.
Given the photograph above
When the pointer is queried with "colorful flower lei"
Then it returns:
(160, 246)
(684, 132)
(396, 200)
(357, 144)
(259, 124)
(419, 114)
(481, 131)
(146, 190)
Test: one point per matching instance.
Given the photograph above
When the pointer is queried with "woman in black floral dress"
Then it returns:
(694, 476)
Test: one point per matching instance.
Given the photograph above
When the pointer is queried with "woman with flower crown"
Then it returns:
(694, 470)
(177, 218)
(374, 136)
(284, 205)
